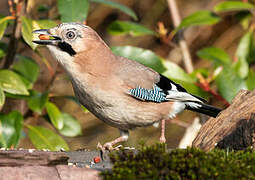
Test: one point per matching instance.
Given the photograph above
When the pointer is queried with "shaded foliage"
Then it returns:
(155, 162)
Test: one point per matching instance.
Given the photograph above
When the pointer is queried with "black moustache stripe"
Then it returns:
(67, 48)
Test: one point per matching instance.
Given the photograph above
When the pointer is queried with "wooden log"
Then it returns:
(35, 164)
(234, 128)
(31, 158)
(59, 172)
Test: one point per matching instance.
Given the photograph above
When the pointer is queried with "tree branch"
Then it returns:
(182, 43)
(18, 11)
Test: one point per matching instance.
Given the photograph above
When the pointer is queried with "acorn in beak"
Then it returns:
(46, 38)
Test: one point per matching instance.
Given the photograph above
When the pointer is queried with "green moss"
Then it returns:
(155, 162)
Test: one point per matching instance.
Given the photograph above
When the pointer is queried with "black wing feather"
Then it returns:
(167, 85)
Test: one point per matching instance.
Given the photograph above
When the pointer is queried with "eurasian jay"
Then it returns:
(121, 92)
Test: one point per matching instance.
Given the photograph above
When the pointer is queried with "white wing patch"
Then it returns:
(193, 105)
(173, 87)
(174, 95)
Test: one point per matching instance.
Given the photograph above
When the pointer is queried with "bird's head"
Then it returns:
(67, 40)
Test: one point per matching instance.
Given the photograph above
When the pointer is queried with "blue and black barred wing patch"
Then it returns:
(155, 95)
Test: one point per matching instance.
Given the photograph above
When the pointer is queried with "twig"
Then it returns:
(205, 85)
(215, 94)
(162, 32)
(10, 3)
(18, 11)
(182, 43)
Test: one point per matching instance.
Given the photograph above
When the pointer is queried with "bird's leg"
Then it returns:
(109, 145)
(162, 138)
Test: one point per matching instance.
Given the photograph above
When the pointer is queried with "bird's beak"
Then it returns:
(46, 38)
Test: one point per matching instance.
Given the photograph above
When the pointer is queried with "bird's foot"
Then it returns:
(108, 146)
(162, 139)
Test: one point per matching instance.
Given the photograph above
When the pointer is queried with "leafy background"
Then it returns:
(38, 108)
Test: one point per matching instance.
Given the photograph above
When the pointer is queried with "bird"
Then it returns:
(121, 92)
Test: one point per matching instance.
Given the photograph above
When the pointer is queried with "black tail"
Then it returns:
(205, 109)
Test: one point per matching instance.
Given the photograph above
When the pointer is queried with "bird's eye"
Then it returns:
(70, 34)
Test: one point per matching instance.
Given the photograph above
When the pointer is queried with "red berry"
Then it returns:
(97, 159)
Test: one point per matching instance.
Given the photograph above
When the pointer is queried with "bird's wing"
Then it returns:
(134, 74)
(148, 85)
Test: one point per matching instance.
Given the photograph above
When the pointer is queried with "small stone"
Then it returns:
(70, 164)
(31, 150)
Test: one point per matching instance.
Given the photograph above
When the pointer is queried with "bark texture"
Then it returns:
(234, 127)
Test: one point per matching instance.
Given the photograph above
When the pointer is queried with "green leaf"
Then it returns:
(175, 72)
(199, 18)
(11, 127)
(73, 10)
(43, 138)
(55, 115)
(2, 97)
(26, 31)
(143, 56)
(2, 53)
(245, 46)
(28, 69)
(229, 83)
(37, 101)
(3, 25)
(250, 82)
(119, 6)
(125, 27)
(203, 71)
(217, 55)
(12, 83)
(244, 50)
(71, 127)
(244, 18)
(242, 68)
(43, 24)
(232, 6)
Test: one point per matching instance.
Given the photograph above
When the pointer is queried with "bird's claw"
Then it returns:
(108, 146)
(162, 139)
(99, 146)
